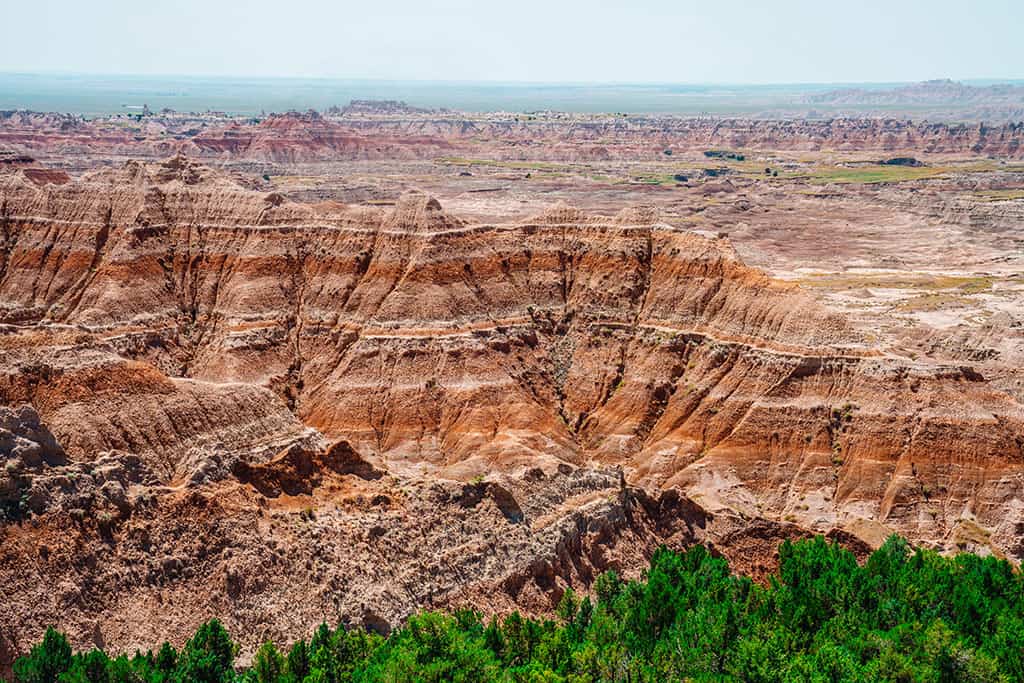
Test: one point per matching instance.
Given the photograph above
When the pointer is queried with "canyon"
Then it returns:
(343, 366)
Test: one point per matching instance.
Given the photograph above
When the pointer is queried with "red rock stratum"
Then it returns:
(413, 134)
(357, 412)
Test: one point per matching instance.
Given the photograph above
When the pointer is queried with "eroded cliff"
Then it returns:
(532, 401)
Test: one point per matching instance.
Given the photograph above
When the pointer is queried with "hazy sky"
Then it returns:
(533, 40)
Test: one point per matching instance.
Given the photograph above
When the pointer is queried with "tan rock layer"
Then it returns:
(298, 137)
(438, 347)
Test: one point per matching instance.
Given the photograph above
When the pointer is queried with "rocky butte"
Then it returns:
(221, 401)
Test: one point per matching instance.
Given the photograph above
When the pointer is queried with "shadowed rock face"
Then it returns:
(299, 469)
(619, 380)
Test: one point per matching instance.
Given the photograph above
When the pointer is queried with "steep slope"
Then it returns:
(600, 384)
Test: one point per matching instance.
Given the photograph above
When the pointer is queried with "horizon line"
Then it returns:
(587, 83)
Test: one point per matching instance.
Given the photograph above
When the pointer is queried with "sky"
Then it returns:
(643, 41)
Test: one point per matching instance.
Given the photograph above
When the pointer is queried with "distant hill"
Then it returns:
(942, 91)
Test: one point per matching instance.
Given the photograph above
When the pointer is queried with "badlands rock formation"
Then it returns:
(411, 134)
(278, 413)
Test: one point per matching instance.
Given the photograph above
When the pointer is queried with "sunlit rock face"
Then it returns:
(470, 413)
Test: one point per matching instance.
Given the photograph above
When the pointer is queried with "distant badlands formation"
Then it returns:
(303, 137)
(220, 402)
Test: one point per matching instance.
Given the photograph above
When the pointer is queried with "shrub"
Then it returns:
(905, 615)
(268, 665)
(46, 661)
(208, 657)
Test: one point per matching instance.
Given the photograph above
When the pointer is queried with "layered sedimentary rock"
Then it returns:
(308, 137)
(564, 392)
(645, 136)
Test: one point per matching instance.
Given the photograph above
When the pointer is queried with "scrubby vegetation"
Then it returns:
(724, 154)
(904, 615)
(901, 161)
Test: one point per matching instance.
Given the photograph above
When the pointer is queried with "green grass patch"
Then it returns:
(935, 301)
(655, 179)
(870, 174)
